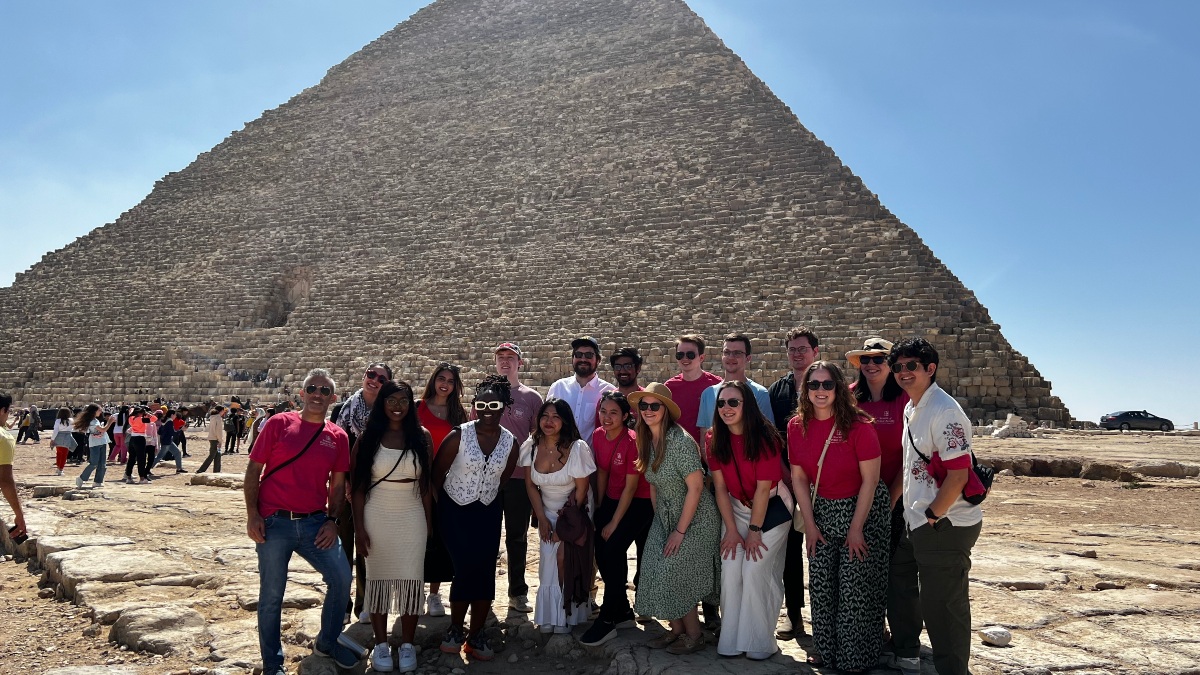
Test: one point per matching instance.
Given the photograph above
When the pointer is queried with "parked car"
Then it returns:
(1135, 419)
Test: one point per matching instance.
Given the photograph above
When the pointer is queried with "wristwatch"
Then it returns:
(331, 519)
(754, 528)
(931, 515)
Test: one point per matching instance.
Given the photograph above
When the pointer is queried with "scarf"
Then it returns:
(354, 414)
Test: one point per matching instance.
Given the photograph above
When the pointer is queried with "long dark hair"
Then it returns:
(456, 414)
(758, 434)
(416, 443)
(862, 390)
(89, 414)
(123, 416)
(569, 432)
(845, 409)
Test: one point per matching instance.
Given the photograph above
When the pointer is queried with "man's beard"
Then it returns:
(584, 368)
(625, 379)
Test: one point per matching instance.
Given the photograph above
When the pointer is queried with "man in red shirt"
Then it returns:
(295, 489)
(687, 387)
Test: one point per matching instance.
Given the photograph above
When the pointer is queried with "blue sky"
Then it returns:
(1046, 152)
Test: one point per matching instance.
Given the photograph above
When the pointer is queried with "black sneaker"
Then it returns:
(601, 631)
(629, 620)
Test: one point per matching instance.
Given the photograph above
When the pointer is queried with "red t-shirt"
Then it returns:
(178, 423)
(766, 467)
(840, 478)
(303, 485)
(686, 395)
(617, 457)
(438, 428)
(889, 426)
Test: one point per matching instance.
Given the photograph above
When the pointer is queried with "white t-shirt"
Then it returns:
(96, 434)
(937, 425)
(583, 401)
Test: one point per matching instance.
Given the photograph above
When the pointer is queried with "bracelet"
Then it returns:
(683, 533)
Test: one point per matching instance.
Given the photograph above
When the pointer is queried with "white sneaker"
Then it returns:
(906, 665)
(381, 658)
(520, 603)
(408, 658)
(365, 617)
(58, 472)
(434, 606)
(78, 481)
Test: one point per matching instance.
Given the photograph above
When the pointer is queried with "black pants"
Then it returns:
(137, 455)
(181, 441)
(359, 563)
(214, 457)
(79, 454)
(793, 576)
(611, 558)
(231, 441)
(517, 512)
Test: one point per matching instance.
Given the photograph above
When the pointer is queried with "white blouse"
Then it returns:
(474, 476)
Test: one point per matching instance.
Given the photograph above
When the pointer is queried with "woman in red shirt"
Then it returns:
(747, 473)
(832, 444)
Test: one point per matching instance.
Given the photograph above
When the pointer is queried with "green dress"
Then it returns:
(670, 587)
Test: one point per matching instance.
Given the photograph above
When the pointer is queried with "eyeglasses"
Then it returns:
(396, 403)
(489, 405)
(586, 356)
(312, 389)
(378, 377)
(909, 366)
(679, 356)
(794, 351)
(827, 385)
(731, 402)
(624, 366)
(732, 352)
(877, 359)
(646, 405)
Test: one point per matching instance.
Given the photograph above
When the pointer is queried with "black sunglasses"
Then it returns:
(731, 402)
(586, 356)
(827, 385)
(312, 389)
(901, 367)
(379, 377)
(679, 356)
(877, 359)
(646, 405)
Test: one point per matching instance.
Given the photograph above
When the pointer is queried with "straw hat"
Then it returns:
(660, 392)
(872, 345)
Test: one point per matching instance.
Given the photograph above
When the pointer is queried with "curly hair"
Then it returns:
(845, 408)
(498, 384)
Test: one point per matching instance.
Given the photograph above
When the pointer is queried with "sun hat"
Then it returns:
(659, 391)
(872, 345)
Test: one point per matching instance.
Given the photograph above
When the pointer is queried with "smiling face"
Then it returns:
(689, 364)
(317, 402)
(549, 422)
(821, 399)
(652, 417)
(488, 415)
(914, 382)
(611, 417)
(373, 379)
(508, 363)
(732, 410)
(734, 358)
(443, 384)
(876, 373)
(625, 371)
(397, 406)
(584, 361)
(800, 354)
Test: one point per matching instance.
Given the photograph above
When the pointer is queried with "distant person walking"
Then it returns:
(216, 435)
(97, 435)
(62, 440)
(8, 485)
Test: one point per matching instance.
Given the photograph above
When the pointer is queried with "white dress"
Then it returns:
(394, 518)
(556, 487)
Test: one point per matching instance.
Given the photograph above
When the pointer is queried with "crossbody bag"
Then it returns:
(798, 516)
(777, 511)
(985, 474)
(294, 457)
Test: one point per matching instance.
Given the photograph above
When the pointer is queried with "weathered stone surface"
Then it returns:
(107, 563)
(159, 630)
(1101, 471)
(52, 544)
(94, 670)
(1164, 469)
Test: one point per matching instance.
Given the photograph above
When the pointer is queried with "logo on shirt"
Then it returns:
(327, 441)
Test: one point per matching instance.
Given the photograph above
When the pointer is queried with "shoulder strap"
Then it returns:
(974, 462)
(295, 456)
(821, 461)
(389, 473)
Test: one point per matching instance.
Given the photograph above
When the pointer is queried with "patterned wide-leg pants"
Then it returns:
(848, 596)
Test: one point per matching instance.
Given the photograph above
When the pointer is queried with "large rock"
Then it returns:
(1165, 469)
(1057, 467)
(1101, 471)
(53, 544)
(109, 564)
(159, 630)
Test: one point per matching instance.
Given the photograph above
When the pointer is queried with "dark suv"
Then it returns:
(1134, 419)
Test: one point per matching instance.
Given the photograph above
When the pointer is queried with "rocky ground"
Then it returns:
(1088, 575)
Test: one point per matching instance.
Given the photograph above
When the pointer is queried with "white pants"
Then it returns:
(752, 591)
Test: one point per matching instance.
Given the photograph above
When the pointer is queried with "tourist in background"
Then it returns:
(682, 563)
(139, 420)
(152, 428)
(747, 474)
(62, 440)
(166, 443)
(216, 435)
(8, 485)
(351, 416)
(78, 453)
(440, 410)
(831, 443)
(623, 516)
(97, 436)
(392, 503)
(932, 563)
(119, 428)
(475, 460)
(560, 467)
(179, 424)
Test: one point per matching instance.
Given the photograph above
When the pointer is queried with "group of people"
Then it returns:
(722, 485)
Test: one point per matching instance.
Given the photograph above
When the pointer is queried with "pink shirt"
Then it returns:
(686, 395)
(303, 485)
(766, 467)
(889, 426)
(840, 478)
(617, 457)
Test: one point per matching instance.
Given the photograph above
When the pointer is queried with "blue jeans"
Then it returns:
(96, 456)
(167, 450)
(284, 537)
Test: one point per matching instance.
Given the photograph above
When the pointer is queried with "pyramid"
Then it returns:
(490, 170)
